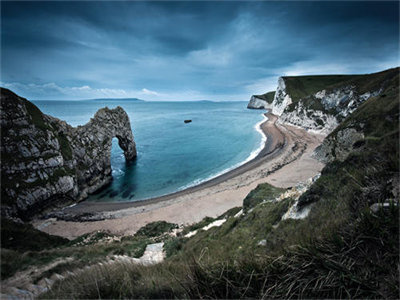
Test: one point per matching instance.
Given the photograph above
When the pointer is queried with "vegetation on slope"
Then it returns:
(22, 247)
(357, 260)
(300, 87)
(263, 192)
(269, 97)
(341, 250)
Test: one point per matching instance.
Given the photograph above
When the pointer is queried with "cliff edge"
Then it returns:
(46, 163)
(261, 101)
(320, 103)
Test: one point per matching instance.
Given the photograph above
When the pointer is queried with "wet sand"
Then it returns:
(284, 161)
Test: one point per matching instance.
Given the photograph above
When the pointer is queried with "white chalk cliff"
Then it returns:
(322, 110)
(258, 103)
(282, 99)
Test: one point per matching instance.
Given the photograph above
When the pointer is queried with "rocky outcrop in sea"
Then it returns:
(47, 163)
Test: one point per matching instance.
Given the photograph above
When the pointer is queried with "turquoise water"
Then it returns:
(171, 155)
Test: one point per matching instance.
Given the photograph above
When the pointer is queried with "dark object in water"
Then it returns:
(187, 121)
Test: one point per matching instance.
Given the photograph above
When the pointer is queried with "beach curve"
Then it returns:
(284, 161)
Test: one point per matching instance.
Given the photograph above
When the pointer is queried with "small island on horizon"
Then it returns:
(293, 194)
(119, 99)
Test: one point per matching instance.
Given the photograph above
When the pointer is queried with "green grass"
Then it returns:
(124, 281)
(65, 147)
(32, 248)
(263, 192)
(198, 225)
(359, 261)
(24, 237)
(269, 97)
(13, 261)
(156, 228)
(36, 115)
(236, 237)
(304, 87)
(173, 246)
(19, 241)
(299, 87)
(341, 250)
(379, 114)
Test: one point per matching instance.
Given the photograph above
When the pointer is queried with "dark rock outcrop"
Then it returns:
(46, 163)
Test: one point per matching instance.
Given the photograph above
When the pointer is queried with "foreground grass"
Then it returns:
(359, 261)
(41, 249)
(341, 250)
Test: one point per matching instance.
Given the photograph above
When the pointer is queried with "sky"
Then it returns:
(218, 51)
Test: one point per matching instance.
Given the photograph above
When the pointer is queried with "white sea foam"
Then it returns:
(252, 155)
(117, 172)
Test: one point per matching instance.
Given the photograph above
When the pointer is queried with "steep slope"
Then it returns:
(45, 162)
(261, 101)
(342, 241)
(372, 121)
(320, 103)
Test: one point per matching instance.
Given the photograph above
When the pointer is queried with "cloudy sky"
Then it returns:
(188, 51)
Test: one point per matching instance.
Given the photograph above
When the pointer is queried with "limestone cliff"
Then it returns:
(375, 120)
(324, 110)
(261, 101)
(45, 162)
(320, 103)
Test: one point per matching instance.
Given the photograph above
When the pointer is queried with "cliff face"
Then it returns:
(324, 110)
(45, 162)
(375, 120)
(91, 146)
(320, 103)
(261, 101)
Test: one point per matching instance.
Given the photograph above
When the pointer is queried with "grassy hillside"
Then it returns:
(299, 87)
(24, 247)
(342, 249)
(269, 97)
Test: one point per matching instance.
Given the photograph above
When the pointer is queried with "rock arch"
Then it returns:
(46, 163)
(92, 144)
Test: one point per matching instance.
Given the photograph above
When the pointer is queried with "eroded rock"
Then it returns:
(321, 103)
(46, 163)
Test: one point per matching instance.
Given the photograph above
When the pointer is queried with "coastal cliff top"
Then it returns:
(302, 86)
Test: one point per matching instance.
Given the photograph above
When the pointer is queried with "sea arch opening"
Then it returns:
(117, 158)
(123, 172)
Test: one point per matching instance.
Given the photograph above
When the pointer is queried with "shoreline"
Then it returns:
(285, 161)
(274, 141)
(251, 156)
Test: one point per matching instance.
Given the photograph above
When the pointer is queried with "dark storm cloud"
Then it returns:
(188, 50)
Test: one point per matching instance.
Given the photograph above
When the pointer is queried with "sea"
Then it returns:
(172, 155)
